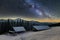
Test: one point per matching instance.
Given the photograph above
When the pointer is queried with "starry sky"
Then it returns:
(35, 9)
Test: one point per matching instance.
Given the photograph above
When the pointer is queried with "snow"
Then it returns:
(51, 34)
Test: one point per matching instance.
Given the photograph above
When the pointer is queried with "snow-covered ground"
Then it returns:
(51, 34)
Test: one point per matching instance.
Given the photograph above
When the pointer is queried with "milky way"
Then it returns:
(37, 8)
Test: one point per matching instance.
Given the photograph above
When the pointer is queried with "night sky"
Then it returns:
(35, 9)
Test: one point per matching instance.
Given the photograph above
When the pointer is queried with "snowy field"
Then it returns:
(51, 34)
